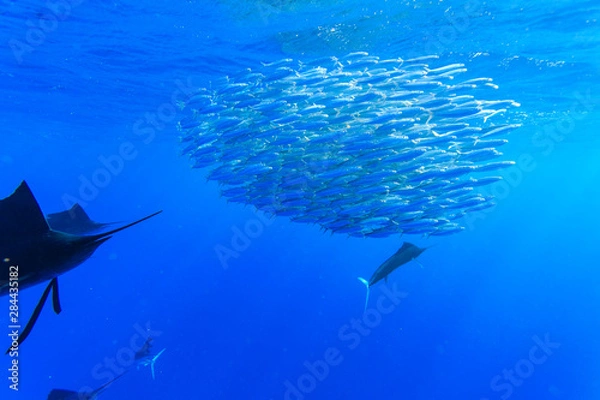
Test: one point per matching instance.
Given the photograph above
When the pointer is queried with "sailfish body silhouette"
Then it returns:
(406, 253)
(32, 251)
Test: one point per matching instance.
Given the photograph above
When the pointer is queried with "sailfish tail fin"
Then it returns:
(366, 283)
(153, 361)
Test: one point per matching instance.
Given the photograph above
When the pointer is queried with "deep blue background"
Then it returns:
(528, 268)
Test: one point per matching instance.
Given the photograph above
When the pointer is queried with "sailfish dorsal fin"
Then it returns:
(20, 214)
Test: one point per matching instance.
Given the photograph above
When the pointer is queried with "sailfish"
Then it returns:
(406, 253)
(143, 358)
(34, 249)
(62, 394)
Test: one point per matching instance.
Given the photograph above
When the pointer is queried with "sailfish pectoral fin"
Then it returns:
(55, 298)
(418, 262)
(366, 283)
(53, 285)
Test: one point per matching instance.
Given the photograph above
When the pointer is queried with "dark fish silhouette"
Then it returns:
(61, 394)
(406, 253)
(38, 251)
(144, 357)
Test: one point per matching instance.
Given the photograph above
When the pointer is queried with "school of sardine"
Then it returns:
(358, 145)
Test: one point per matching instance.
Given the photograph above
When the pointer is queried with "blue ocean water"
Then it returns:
(506, 309)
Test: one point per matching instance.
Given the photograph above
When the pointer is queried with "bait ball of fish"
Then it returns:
(359, 145)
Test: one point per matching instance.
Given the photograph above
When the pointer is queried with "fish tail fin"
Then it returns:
(366, 283)
(153, 361)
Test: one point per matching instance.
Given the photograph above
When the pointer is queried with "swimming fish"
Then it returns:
(62, 394)
(351, 133)
(144, 358)
(406, 253)
(32, 251)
